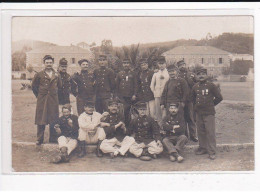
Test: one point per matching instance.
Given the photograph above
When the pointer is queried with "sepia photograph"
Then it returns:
(132, 94)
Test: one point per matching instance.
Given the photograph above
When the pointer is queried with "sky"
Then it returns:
(125, 30)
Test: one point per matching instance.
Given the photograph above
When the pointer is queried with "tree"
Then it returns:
(18, 61)
(241, 67)
(106, 46)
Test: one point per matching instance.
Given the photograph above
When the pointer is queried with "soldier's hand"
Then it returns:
(162, 107)
(176, 126)
(56, 126)
(58, 131)
(105, 114)
(182, 104)
(102, 124)
(70, 122)
(133, 98)
(142, 145)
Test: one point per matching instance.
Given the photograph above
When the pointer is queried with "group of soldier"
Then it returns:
(138, 111)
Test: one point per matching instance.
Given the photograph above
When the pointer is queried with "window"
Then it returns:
(202, 61)
(220, 60)
(73, 60)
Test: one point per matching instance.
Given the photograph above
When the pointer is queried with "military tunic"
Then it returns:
(64, 91)
(144, 81)
(175, 91)
(66, 129)
(83, 88)
(105, 85)
(145, 129)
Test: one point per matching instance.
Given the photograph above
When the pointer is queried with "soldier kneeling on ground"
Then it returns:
(67, 128)
(147, 137)
(117, 141)
(174, 129)
(90, 129)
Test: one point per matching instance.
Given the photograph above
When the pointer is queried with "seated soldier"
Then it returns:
(174, 128)
(67, 128)
(90, 130)
(146, 134)
(117, 141)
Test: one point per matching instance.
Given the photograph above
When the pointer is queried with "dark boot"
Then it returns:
(98, 151)
(82, 149)
(64, 154)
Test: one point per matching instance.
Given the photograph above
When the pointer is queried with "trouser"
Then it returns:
(159, 113)
(189, 119)
(206, 132)
(101, 105)
(174, 144)
(67, 142)
(40, 133)
(127, 102)
(92, 139)
(81, 103)
(114, 145)
(153, 148)
(150, 108)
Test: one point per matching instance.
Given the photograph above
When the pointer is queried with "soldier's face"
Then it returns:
(202, 76)
(84, 65)
(182, 67)
(173, 74)
(65, 112)
(162, 66)
(63, 69)
(142, 111)
(144, 66)
(126, 65)
(173, 110)
(89, 109)
(102, 62)
(48, 64)
(113, 108)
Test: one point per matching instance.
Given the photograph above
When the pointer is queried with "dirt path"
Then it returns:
(32, 160)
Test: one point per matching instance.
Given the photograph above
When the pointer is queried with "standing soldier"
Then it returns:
(45, 86)
(145, 93)
(126, 88)
(175, 90)
(205, 95)
(188, 108)
(64, 91)
(105, 84)
(83, 86)
(157, 85)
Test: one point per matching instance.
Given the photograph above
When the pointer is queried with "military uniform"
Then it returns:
(105, 85)
(188, 108)
(147, 131)
(45, 89)
(174, 140)
(144, 91)
(116, 140)
(206, 96)
(69, 134)
(175, 91)
(126, 88)
(83, 89)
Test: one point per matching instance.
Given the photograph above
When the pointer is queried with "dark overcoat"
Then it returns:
(46, 91)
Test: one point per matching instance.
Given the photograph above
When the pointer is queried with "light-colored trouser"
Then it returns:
(151, 108)
(153, 148)
(113, 145)
(85, 136)
(158, 111)
(67, 142)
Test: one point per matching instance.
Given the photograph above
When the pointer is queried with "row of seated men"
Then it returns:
(144, 138)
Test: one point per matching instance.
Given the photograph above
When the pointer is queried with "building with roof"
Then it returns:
(72, 53)
(214, 59)
(245, 57)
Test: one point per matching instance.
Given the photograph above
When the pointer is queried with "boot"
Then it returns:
(145, 156)
(98, 151)
(64, 154)
(82, 149)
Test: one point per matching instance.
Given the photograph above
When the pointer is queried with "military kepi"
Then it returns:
(161, 59)
(103, 57)
(126, 60)
(141, 105)
(46, 57)
(89, 103)
(143, 60)
(181, 62)
(63, 62)
(83, 60)
(204, 70)
(174, 105)
(112, 102)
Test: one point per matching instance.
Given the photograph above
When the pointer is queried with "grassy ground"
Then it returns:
(234, 121)
(32, 160)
